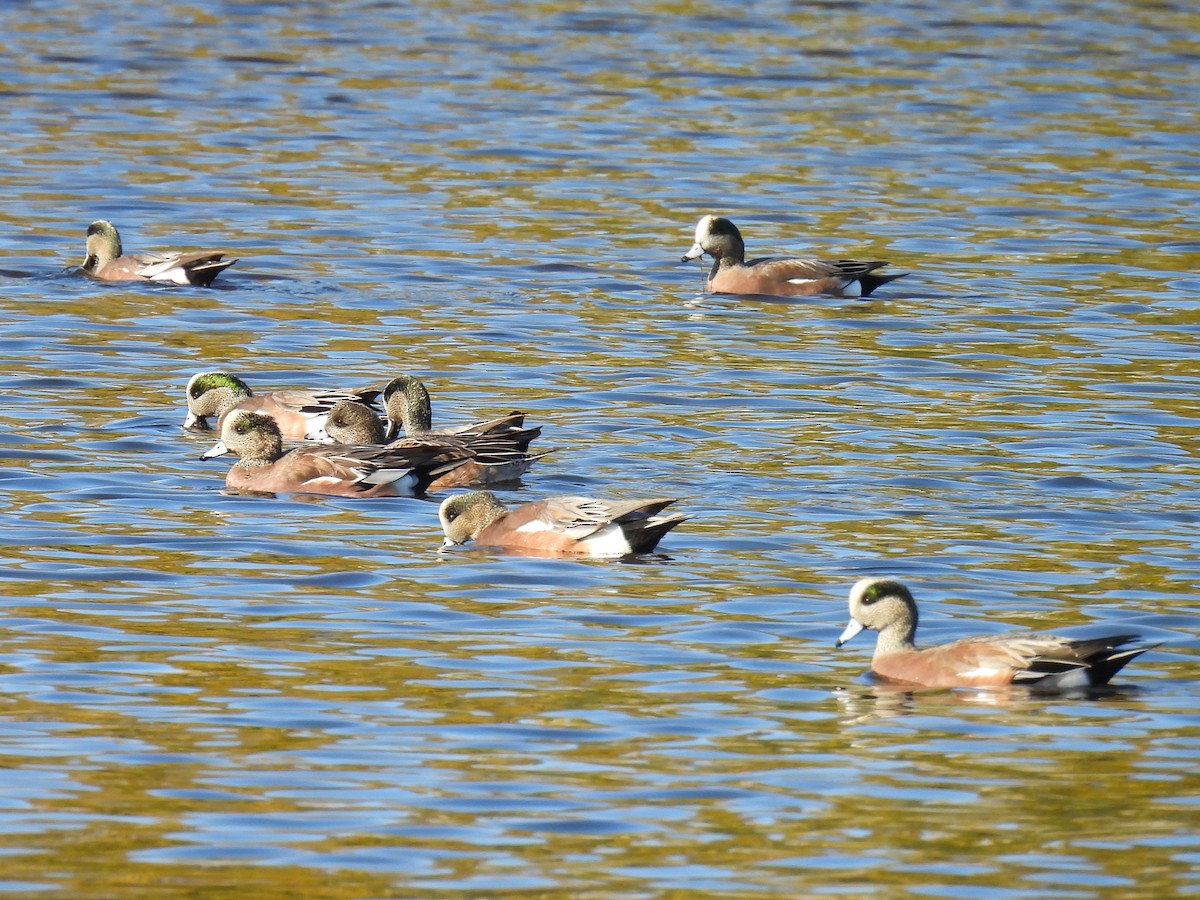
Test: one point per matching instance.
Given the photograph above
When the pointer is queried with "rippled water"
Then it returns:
(231, 696)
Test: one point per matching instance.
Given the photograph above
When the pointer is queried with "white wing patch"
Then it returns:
(536, 525)
(987, 673)
(325, 479)
(168, 269)
(847, 287)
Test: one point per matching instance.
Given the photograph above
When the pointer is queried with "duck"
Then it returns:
(299, 414)
(105, 261)
(409, 410)
(265, 467)
(1027, 659)
(780, 277)
(580, 526)
(491, 457)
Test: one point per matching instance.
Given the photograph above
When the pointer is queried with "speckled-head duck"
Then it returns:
(1026, 659)
(106, 261)
(494, 456)
(558, 525)
(299, 414)
(776, 276)
(265, 467)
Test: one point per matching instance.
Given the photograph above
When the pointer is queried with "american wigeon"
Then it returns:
(350, 422)
(299, 414)
(1029, 659)
(408, 408)
(492, 457)
(781, 277)
(322, 469)
(105, 261)
(558, 525)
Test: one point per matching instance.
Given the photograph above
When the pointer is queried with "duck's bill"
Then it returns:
(852, 629)
(695, 253)
(196, 422)
(218, 449)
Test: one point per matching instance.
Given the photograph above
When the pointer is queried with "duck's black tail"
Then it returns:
(870, 282)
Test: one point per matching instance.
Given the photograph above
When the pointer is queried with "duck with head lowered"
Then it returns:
(106, 261)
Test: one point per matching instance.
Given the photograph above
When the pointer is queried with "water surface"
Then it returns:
(231, 696)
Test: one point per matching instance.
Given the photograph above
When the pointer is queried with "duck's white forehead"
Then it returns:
(704, 226)
(860, 588)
